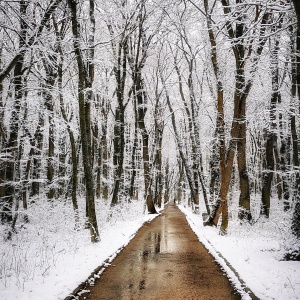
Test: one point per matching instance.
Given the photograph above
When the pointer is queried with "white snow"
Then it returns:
(48, 259)
(255, 252)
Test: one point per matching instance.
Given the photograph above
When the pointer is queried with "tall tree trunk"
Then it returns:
(37, 156)
(167, 181)
(120, 73)
(85, 130)
(159, 127)
(134, 154)
(105, 164)
(179, 191)
(221, 204)
(283, 163)
(140, 94)
(74, 177)
(51, 75)
(195, 164)
(12, 164)
(119, 145)
(2, 136)
(188, 172)
(105, 108)
(19, 177)
(136, 54)
(271, 138)
(296, 94)
(238, 128)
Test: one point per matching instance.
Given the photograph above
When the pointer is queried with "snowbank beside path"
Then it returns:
(48, 260)
(255, 254)
(44, 263)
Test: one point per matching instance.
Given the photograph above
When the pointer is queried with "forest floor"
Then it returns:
(165, 260)
(47, 259)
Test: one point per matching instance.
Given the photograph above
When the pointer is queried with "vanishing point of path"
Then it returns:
(165, 260)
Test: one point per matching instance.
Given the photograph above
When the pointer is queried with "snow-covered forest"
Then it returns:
(109, 109)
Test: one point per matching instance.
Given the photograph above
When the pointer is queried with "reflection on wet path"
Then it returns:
(164, 261)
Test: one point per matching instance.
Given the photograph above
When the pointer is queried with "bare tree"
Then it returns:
(84, 82)
(296, 93)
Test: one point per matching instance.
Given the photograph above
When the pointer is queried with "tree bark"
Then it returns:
(51, 75)
(271, 142)
(296, 94)
(140, 94)
(12, 164)
(84, 82)
(159, 128)
(120, 73)
(2, 135)
(133, 154)
(136, 56)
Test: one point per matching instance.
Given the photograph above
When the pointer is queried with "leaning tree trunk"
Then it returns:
(195, 165)
(225, 173)
(238, 129)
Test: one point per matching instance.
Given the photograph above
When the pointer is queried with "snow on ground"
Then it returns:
(256, 253)
(49, 259)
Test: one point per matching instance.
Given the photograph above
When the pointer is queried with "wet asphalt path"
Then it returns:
(164, 260)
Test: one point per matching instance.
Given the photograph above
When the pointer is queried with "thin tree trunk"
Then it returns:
(133, 154)
(51, 75)
(166, 186)
(159, 127)
(136, 56)
(195, 164)
(179, 144)
(37, 156)
(283, 161)
(104, 152)
(2, 136)
(178, 196)
(119, 145)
